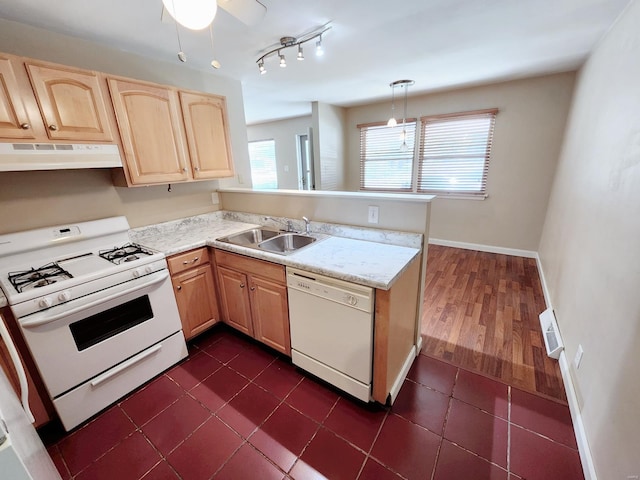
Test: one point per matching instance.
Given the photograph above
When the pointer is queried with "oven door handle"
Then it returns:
(125, 365)
(43, 321)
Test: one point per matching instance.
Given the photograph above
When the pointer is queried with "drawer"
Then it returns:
(184, 261)
(252, 266)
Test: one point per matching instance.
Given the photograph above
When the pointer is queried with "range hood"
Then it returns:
(15, 157)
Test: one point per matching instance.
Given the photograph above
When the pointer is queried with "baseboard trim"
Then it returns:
(543, 281)
(395, 388)
(576, 417)
(484, 248)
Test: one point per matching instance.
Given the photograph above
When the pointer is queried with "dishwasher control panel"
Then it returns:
(351, 294)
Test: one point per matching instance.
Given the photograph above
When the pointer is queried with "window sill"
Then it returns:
(461, 197)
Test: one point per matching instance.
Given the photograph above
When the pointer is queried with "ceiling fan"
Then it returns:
(199, 14)
(249, 12)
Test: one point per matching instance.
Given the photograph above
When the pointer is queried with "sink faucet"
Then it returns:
(288, 224)
(307, 225)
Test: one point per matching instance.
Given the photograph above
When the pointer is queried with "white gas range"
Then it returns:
(97, 313)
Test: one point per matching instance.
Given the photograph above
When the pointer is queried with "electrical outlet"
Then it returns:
(240, 179)
(286, 168)
(633, 477)
(215, 198)
(373, 214)
(578, 358)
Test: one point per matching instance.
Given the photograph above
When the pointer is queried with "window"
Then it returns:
(262, 155)
(454, 153)
(452, 158)
(384, 165)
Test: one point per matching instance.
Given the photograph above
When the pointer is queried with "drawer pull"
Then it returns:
(242, 285)
(186, 262)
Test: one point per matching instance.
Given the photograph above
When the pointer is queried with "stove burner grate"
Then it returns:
(38, 277)
(127, 253)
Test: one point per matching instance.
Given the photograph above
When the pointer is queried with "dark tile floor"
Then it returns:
(235, 410)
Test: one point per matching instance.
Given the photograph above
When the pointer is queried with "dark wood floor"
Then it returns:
(481, 313)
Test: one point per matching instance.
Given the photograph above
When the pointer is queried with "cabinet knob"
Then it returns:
(242, 285)
(184, 169)
(252, 288)
(197, 169)
(53, 128)
(179, 287)
(25, 126)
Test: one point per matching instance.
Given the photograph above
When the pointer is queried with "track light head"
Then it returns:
(300, 54)
(261, 68)
(319, 48)
(283, 61)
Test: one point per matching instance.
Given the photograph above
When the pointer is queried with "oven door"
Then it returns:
(78, 340)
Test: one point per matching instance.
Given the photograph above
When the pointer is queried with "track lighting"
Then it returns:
(286, 42)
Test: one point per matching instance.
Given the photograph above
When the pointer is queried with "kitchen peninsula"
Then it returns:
(386, 260)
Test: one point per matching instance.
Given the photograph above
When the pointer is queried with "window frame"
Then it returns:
(417, 154)
(364, 128)
(426, 121)
(275, 170)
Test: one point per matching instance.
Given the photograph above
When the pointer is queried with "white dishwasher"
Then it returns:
(332, 330)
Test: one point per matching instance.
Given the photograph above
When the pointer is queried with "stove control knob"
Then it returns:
(45, 302)
(148, 269)
(65, 296)
(136, 273)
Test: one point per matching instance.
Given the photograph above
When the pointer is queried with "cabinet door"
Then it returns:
(234, 299)
(14, 121)
(270, 310)
(149, 124)
(71, 103)
(196, 298)
(207, 131)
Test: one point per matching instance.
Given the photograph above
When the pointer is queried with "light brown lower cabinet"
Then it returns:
(253, 298)
(195, 291)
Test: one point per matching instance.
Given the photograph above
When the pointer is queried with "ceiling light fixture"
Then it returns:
(319, 48)
(392, 121)
(287, 42)
(192, 14)
(214, 63)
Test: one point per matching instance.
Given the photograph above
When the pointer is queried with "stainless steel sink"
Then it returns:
(283, 243)
(251, 237)
(286, 243)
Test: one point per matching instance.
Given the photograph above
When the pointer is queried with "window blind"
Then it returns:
(383, 165)
(262, 157)
(454, 152)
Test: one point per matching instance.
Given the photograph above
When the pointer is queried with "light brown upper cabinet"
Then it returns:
(150, 127)
(206, 127)
(14, 119)
(71, 103)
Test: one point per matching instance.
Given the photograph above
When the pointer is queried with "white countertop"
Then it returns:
(360, 261)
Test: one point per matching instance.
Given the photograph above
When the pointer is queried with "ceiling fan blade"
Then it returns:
(249, 12)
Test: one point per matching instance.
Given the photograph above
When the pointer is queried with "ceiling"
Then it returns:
(440, 44)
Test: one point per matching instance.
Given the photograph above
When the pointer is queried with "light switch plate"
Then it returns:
(373, 214)
(578, 358)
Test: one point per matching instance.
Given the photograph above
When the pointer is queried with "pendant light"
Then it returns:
(214, 63)
(192, 14)
(392, 121)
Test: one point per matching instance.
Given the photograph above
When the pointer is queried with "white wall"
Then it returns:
(527, 139)
(38, 199)
(590, 247)
(284, 133)
(329, 144)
